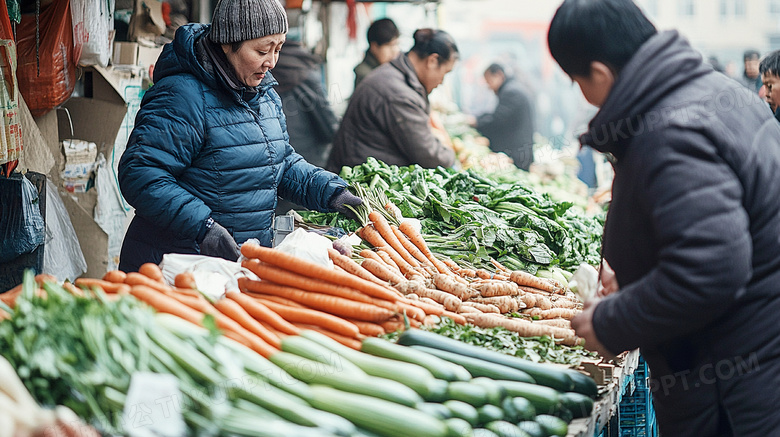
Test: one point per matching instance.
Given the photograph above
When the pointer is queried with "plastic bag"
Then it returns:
(47, 76)
(11, 134)
(62, 257)
(22, 227)
(93, 26)
(307, 245)
(213, 276)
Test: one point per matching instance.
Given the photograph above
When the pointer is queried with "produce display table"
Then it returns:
(604, 415)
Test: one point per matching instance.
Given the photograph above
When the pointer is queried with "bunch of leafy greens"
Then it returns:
(471, 218)
(537, 349)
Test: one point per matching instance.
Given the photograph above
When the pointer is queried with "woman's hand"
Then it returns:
(608, 280)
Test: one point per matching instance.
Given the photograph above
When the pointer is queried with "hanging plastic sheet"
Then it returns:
(22, 228)
(93, 27)
(63, 257)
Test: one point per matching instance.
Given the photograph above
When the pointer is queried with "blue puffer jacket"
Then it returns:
(199, 149)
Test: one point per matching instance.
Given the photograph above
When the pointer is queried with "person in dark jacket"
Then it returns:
(388, 116)
(210, 150)
(751, 77)
(770, 76)
(510, 127)
(692, 230)
(382, 47)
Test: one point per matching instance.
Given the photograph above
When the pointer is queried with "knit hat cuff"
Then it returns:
(243, 20)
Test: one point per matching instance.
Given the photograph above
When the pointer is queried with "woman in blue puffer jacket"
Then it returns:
(210, 152)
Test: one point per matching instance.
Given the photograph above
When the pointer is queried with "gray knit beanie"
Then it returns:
(242, 20)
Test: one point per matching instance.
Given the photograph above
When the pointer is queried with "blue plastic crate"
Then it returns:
(636, 413)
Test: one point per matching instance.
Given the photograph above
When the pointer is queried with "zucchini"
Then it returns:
(463, 411)
(552, 425)
(472, 394)
(489, 413)
(482, 432)
(532, 428)
(479, 367)
(458, 427)
(544, 399)
(312, 372)
(543, 374)
(381, 417)
(435, 409)
(506, 429)
(496, 393)
(413, 376)
(303, 347)
(520, 408)
(583, 384)
(441, 369)
(578, 404)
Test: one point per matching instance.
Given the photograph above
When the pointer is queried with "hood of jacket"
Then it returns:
(662, 65)
(181, 57)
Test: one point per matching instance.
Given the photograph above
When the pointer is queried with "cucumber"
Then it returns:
(532, 428)
(506, 429)
(552, 425)
(472, 394)
(413, 376)
(544, 399)
(496, 393)
(435, 409)
(543, 374)
(441, 369)
(458, 427)
(479, 367)
(312, 372)
(583, 384)
(463, 411)
(482, 432)
(381, 417)
(489, 413)
(303, 347)
(519, 408)
(578, 404)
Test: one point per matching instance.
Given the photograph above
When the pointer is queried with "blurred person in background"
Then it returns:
(388, 116)
(692, 229)
(210, 152)
(770, 75)
(382, 47)
(751, 77)
(510, 127)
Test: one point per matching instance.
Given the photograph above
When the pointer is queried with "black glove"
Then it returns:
(341, 199)
(219, 242)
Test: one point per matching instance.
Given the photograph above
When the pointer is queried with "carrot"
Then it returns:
(560, 323)
(152, 271)
(450, 285)
(313, 270)
(323, 302)
(284, 277)
(352, 267)
(526, 279)
(432, 302)
(431, 320)
(368, 328)
(373, 236)
(166, 304)
(9, 297)
(467, 273)
(525, 328)
(116, 276)
(108, 287)
(382, 272)
(262, 313)
(499, 266)
(368, 253)
(393, 325)
(554, 313)
(384, 229)
(451, 264)
(387, 259)
(185, 280)
(485, 308)
(429, 307)
(280, 300)
(417, 239)
(4, 315)
(534, 290)
(411, 248)
(457, 318)
(543, 303)
(490, 288)
(346, 341)
(68, 286)
(314, 317)
(529, 299)
(135, 278)
(233, 310)
(412, 311)
(565, 303)
(505, 304)
(450, 302)
(467, 309)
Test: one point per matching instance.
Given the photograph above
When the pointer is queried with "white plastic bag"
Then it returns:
(213, 276)
(307, 245)
(62, 255)
(93, 27)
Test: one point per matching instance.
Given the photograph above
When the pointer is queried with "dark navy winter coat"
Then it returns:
(693, 234)
(200, 148)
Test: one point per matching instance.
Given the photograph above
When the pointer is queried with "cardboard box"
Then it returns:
(133, 53)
